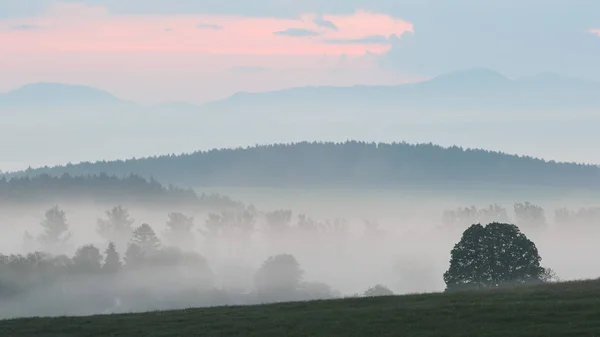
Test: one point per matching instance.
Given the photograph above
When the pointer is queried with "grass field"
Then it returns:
(563, 309)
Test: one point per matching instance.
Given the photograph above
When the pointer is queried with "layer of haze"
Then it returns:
(202, 51)
(409, 256)
(154, 53)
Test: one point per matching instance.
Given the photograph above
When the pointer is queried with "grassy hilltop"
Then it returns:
(562, 309)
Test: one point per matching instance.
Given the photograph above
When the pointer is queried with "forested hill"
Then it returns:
(103, 188)
(342, 164)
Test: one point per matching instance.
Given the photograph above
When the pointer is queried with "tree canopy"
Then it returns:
(492, 256)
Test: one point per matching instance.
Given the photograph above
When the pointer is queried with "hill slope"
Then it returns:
(349, 164)
(564, 309)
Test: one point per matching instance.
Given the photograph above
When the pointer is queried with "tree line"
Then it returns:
(151, 274)
(526, 215)
(102, 279)
(492, 256)
(104, 188)
(231, 224)
(351, 163)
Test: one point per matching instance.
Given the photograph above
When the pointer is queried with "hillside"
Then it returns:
(349, 164)
(101, 188)
(563, 309)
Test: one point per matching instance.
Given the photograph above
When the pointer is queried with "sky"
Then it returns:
(200, 50)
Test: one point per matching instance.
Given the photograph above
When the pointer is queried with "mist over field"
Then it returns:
(406, 247)
(168, 155)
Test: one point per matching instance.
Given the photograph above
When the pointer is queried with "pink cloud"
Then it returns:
(77, 28)
(595, 31)
(151, 58)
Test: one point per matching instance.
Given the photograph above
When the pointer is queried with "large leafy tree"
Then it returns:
(492, 256)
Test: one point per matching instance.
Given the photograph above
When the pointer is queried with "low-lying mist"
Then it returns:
(100, 258)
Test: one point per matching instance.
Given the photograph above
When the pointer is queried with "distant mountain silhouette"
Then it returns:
(475, 89)
(349, 164)
(45, 94)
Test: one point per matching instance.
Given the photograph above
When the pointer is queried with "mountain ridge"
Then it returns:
(456, 88)
(54, 93)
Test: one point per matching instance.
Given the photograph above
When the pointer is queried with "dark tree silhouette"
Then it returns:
(564, 216)
(278, 222)
(307, 224)
(145, 237)
(549, 276)
(336, 228)
(134, 256)
(461, 216)
(583, 217)
(112, 260)
(25, 187)
(278, 277)
(20, 273)
(56, 229)
(87, 259)
(470, 215)
(492, 256)
(493, 213)
(530, 215)
(317, 291)
(188, 262)
(378, 290)
(144, 246)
